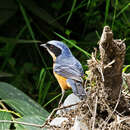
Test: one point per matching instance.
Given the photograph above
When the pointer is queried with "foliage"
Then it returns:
(24, 23)
(26, 110)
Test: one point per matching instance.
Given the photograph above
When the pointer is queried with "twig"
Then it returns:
(124, 119)
(109, 117)
(101, 72)
(109, 64)
(89, 108)
(56, 109)
(94, 115)
(18, 122)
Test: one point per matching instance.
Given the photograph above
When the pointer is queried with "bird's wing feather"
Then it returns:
(69, 71)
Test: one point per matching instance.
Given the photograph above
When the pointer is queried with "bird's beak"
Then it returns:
(44, 45)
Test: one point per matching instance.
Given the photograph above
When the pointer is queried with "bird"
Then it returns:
(66, 68)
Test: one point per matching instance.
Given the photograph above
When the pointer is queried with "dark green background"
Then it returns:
(80, 21)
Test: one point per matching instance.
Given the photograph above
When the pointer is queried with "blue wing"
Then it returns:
(69, 68)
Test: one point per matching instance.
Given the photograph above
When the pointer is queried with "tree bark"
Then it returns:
(112, 54)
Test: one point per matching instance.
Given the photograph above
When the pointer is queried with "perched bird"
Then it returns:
(66, 68)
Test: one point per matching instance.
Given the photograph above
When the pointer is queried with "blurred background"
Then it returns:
(79, 23)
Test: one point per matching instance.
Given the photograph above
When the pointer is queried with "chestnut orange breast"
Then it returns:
(62, 81)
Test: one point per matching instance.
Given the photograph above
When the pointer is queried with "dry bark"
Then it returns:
(112, 54)
(127, 80)
(112, 50)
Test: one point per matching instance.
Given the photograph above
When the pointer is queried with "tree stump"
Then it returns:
(105, 107)
(112, 54)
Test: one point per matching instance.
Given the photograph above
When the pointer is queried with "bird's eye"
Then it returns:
(51, 47)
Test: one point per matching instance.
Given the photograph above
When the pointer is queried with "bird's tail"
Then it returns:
(80, 91)
(77, 88)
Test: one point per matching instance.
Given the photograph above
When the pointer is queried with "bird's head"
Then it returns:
(57, 49)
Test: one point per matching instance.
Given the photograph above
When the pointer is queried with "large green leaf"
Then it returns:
(5, 116)
(24, 107)
(20, 102)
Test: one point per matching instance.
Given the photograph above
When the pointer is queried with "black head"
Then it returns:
(54, 49)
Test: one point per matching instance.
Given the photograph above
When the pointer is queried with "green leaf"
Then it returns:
(41, 85)
(24, 108)
(115, 11)
(4, 74)
(5, 116)
(52, 100)
(19, 101)
(41, 13)
(123, 9)
(125, 68)
(72, 8)
(30, 119)
(68, 32)
(15, 40)
(106, 11)
(70, 42)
